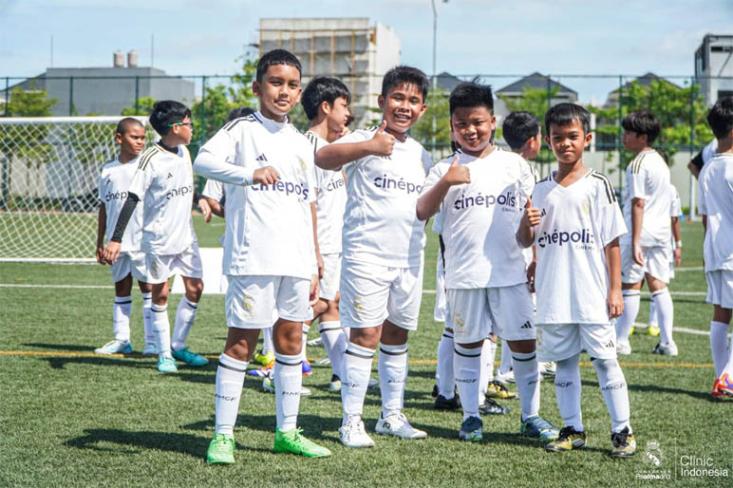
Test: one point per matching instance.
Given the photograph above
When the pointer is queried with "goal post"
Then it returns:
(49, 170)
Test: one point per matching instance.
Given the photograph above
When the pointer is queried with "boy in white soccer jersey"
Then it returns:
(645, 253)
(383, 241)
(326, 104)
(716, 206)
(480, 192)
(574, 221)
(269, 252)
(164, 183)
(113, 184)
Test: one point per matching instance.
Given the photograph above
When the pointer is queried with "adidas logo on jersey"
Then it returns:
(526, 325)
(508, 200)
(387, 183)
(261, 158)
(610, 345)
(170, 175)
(583, 237)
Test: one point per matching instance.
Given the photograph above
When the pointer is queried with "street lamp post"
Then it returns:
(435, 70)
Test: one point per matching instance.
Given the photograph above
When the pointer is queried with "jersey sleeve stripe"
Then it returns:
(147, 156)
(610, 194)
(636, 165)
(246, 118)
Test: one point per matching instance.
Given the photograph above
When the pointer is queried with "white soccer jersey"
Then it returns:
(269, 228)
(380, 221)
(330, 202)
(114, 181)
(164, 183)
(480, 219)
(647, 177)
(716, 201)
(577, 223)
(709, 151)
(214, 190)
(675, 207)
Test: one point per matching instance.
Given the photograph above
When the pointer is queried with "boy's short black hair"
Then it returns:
(564, 114)
(322, 89)
(275, 57)
(469, 94)
(518, 128)
(125, 124)
(405, 74)
(166, 113)
(642, 122)
(240, 112)
(720, 117)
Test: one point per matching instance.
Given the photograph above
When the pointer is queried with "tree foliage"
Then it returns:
(438, 108)
(30, 103)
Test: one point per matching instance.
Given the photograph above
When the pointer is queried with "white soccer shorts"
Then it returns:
(186, 263)
(255, 302)
(720, 288)
(656, 264)
(371, 294)
(556, 342)
(129, 263)
(329, 284)
(507, 311)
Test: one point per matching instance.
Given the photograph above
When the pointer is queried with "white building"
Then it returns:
(346, 48)
(714, 67)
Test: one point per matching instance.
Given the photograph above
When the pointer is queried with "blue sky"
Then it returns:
(474, 36)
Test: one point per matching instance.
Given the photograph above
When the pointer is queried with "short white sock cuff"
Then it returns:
(159, 308)
(523, 356)
(193, 305)
(393, 350)
(287, 360)
(332, 325)
(631, 293)
(147, 296)
(123, 300)
(359, 351)
(229, 362)
(467, 352)
(715, 324)
(447, 334)
(660, 292)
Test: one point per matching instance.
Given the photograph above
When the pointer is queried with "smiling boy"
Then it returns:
(381, 276)
(269, 253)
(480, 193)
(575, 222)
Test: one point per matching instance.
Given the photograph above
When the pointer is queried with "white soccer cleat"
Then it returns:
(335, 384)
(398, 426)
(115, 347)
(353, 434)
(548, 369)
(666, 349)
(623, 348)
(505, 378)
(317, 342)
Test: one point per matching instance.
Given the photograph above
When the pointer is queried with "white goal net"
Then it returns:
(49, 167)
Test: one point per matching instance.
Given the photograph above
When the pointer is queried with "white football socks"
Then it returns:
(334, 341)
(568, 388)
(267, 344)
(506, 358)
(288, 377)
(467, 369)
(627, 319)
(444, 370)
(162, 330)
(121, 318)
(719, 345)
(527, 376)
(304, 340)
(665, 312)
(615, 392)
(357, 368)
(148, 318)
(185, 315)
(653, 316)
(229, 382)
(392, 368)
(486, 374)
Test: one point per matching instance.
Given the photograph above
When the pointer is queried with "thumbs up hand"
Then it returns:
(382, 143)
(457, 174)
(532, 215)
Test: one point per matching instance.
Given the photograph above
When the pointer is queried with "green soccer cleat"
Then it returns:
(568, 440)
(538, 428)
(471, 430)
(221, 450)
(500, 391)
(653, 330)
(265, 360)
(167, 365)
(190, 358)
(293, 442)
(624, 444)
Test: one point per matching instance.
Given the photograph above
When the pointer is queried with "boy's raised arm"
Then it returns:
(530, 219)
(429, 202)
(334, 156)
(211, 162)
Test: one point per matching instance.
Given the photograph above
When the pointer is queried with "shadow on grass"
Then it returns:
(61, 347)
(139, 441)
(699, 395)
(313, 426)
